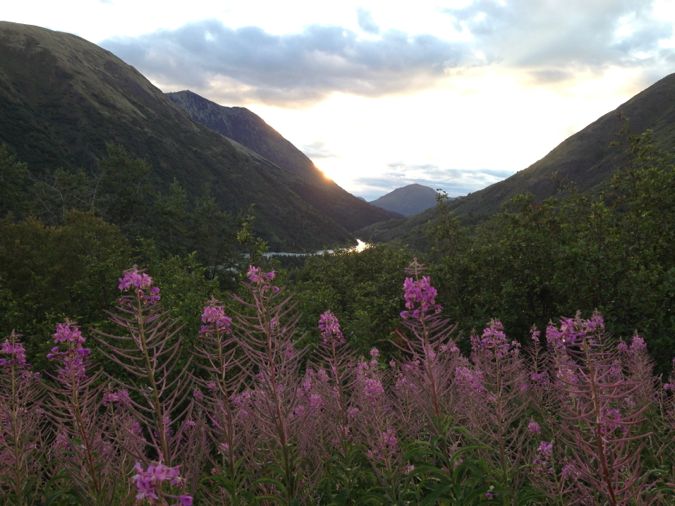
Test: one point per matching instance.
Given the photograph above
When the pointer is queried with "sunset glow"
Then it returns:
(452, 95)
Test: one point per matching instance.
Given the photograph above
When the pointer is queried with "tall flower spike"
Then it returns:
(146, 348)
(420, 298)
(70, 352)
(141, 284)
(214, 319)
(331, 333)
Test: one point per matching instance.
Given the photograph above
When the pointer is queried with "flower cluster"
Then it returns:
(71, 353)
(573, 330)
(494, 339)
(544, 455)
(15, 354)
(141, 283)
(331, 334)
(262, 280)
(149, 480)
(384, 447)
(257, 276)
(214, 319)
(119, 397)
(420, 298)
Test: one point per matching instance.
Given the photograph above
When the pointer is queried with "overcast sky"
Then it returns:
(451, 94)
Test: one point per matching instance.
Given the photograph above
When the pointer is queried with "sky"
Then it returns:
(453, 94)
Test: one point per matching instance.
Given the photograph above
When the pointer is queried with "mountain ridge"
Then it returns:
(250, 130)
(589, 156)
(84, 97)
(408, 200)
(583, 162)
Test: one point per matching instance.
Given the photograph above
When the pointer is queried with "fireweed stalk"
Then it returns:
(424, 394)
(323, 402)
(20, 428)
(495, 414)
(337, 362)
(266, 327)
(425, 379)
(147, 349)
(222, 376)
(601, 419)
(75, 401)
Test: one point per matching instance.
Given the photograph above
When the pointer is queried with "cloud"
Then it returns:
(366, 22)
(289, 68)
(317, 151)
(532, 33)
(454, 181)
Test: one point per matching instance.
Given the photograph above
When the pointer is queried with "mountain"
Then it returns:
(408, 200)
(583, 162)
(589, 157)
(251, 131)
(63, 99)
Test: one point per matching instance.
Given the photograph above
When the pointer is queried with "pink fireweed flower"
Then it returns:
(139, 283)
(215, 319)
(67, 333)
(15, 354)
(184, 500)
(147, 481)
(119, 397)
(263, 280)
(385, 446)
(542, 462)
(533, 427)
(373, 389)
(133, 278)
(545, 448)
(72, 356)
(420, 298)
(573, 330)
(494, 338)
(638, 344)
(329, 326)
(256, 275)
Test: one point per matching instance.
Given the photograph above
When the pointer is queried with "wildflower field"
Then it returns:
(247, 415)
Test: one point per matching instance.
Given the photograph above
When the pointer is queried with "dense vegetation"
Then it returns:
(244, 414)
(258, 404)
(532, 262)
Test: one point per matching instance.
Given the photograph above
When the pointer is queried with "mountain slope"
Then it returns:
(408, 200)
(584, 161)
(248, 129)
(62, 99)
(588, 157)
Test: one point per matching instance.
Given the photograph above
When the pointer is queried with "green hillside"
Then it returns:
(582, 163)
(250, 130)
(63, 99)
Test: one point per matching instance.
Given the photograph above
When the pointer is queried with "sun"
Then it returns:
(325, 175)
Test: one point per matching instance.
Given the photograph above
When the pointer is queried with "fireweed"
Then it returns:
(497, 412)
(21, 441)
(249, 418)
(265, 330)
(222, 375)
(601, 429)
(146, 348)
(81, 446)
(424, 378)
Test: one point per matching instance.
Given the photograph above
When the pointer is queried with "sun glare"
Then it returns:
(324, 173)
